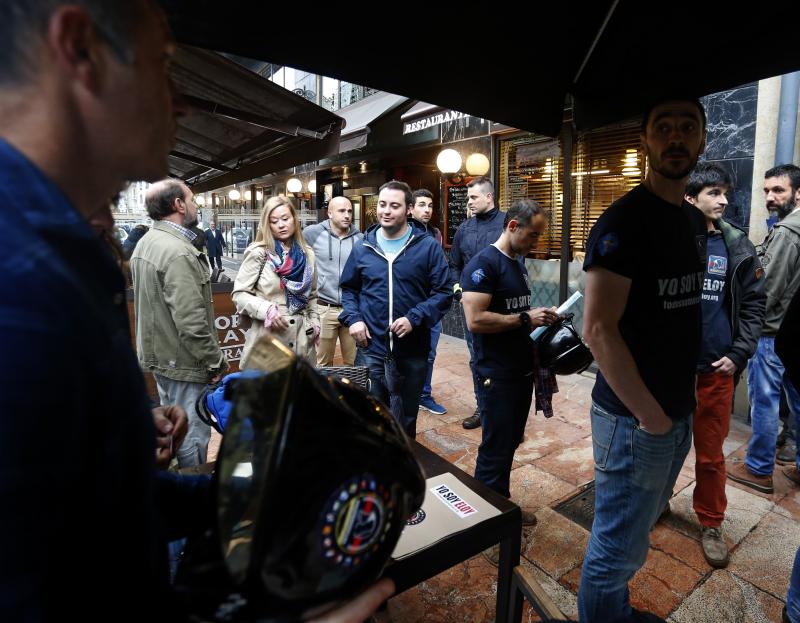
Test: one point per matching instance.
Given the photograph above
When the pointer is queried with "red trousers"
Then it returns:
(711, 424)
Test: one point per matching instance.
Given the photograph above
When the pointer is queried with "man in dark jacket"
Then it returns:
(422, 212)
(733, 310)
(395, 287)
(780, 257)
(473, 235)
(215, 243)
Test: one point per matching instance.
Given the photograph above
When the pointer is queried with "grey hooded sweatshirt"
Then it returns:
(331, 254)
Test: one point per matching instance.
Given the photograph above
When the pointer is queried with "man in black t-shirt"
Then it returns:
(644, 260)
(497, 300)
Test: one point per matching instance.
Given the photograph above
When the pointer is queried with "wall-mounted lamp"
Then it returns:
(294, 185)
(477, 164)
(449, 161)
(312, 186)
(249, 195)
(234, 195)
(200, 200)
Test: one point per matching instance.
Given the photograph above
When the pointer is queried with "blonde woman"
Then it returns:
(276, 286)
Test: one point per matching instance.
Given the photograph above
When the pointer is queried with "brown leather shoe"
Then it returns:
(738, 472)
(792, 474)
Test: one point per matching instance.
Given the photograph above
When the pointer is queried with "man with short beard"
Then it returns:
(780, 257)
(175, 335)
(644, 260)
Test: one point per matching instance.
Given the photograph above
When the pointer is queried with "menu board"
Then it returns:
(455, 207)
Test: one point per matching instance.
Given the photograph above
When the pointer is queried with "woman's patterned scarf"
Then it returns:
(294, 272)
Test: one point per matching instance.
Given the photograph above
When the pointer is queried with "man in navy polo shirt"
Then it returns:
(497, 306)
(644, 260)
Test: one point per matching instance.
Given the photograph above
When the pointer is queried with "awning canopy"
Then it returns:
(360, 115)
(242, 125)
(516, 63)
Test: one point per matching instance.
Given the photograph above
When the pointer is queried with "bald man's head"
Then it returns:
(340, 213)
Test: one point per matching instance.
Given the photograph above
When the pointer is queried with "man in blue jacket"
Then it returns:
(473, 235)
(394, 289)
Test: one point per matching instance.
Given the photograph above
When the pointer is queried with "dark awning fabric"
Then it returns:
(517, 62)
(242, 125)
(360, 115)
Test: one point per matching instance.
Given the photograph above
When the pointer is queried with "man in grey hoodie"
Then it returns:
(332, 241)
(780, 257)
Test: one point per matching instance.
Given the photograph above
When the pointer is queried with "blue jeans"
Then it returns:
(508, 402)
(413, 370)
(476, 384)
(793, 597)
(194, 448)
(765, 377)
(634, 475)
(436, 331)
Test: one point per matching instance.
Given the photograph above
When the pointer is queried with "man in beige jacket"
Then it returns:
(175, 335)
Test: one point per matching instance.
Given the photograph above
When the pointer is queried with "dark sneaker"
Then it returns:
(715, 549)
(738, 472)
(473, 421)
(792, 474)
(429, 404)
(787, 455)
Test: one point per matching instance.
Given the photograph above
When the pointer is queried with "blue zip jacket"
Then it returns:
(415, 284)
(473, 235)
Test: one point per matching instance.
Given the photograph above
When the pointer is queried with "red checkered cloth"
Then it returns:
(544, 381)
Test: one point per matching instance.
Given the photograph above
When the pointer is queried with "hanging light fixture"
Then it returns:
(477, 164)
(312, 186)
(234, 195)
(259, 195)
(200, 200)
(449, 161)
(294, 185)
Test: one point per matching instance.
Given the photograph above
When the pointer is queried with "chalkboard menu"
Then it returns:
(455, 209)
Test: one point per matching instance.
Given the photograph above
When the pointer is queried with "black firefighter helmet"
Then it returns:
(562, 350)
(314, 482)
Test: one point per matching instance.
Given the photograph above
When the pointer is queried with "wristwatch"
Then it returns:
(525, 319)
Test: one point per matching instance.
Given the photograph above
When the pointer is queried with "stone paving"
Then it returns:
(555, 458)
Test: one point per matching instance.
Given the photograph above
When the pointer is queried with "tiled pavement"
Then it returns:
(554, 458)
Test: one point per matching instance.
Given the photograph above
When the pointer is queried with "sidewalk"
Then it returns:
(556, 457)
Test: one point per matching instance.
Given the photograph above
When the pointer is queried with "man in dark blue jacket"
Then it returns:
(215, 243)
(394, 289)
(473, 235)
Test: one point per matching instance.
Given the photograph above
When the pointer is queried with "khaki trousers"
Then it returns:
(331, 328)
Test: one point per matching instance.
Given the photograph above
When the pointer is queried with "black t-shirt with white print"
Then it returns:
(661, 248)
(508, 354)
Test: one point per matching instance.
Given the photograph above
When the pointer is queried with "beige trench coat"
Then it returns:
(268, 290)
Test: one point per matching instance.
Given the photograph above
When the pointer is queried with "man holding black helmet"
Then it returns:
(497, 306)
